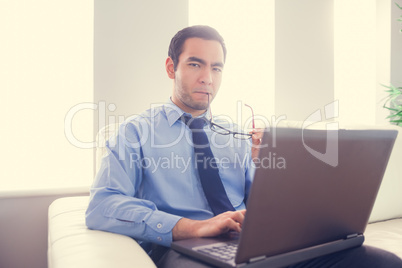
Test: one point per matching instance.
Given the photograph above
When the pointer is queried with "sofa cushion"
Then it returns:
(386, 235)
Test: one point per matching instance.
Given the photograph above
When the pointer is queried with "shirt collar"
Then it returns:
(174, 113)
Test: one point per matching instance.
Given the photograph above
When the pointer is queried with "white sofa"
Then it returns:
(72, 244)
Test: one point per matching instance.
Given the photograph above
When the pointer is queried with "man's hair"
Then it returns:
(198, 31)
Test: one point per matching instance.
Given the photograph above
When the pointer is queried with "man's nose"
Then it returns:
(206, 77)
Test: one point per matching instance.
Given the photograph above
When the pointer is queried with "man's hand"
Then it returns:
(256, 141)
(220, 224)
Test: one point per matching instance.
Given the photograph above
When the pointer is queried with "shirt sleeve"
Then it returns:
(113, 206)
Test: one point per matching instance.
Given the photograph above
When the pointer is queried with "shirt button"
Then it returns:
(159, 225)
(159, 238)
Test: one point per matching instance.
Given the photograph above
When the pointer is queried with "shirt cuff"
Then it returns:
(162, 224)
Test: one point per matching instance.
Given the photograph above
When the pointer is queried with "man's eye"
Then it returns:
(218, 70)
(194, 64)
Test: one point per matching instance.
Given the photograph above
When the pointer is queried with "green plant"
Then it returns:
(394, 104)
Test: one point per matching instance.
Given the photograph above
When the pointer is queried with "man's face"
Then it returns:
(198, 74)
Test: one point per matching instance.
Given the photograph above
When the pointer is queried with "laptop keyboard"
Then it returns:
(223, 251)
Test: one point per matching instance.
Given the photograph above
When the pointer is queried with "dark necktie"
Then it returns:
(208, 169)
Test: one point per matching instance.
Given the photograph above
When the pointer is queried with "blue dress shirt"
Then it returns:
(148, 179)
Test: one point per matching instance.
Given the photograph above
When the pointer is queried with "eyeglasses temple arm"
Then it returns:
(252, 114)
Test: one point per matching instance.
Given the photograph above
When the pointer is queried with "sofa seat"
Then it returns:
(386, 235)
(72, 244)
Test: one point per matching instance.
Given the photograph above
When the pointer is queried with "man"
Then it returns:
(151, 185)
(155, 204)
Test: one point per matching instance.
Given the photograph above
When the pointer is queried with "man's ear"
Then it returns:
(169, 65)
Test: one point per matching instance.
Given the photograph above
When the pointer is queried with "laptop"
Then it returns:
(312, 195)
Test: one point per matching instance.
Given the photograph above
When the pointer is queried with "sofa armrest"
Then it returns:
(72, 244)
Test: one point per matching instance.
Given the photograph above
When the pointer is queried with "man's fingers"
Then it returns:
(234, 219)
(239, 216)
(257, 135)
(232, 225)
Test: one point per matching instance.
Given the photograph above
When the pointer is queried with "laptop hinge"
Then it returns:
(260, 258)
(352, 236)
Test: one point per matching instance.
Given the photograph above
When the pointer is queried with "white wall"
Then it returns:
(304, 57)
(396, 44)
(130, 47)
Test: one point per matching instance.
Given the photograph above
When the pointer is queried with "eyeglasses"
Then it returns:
(224, 131)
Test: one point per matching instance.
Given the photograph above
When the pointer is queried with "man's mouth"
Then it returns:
(202, 92)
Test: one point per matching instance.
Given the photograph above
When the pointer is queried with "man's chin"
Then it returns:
(198, 106)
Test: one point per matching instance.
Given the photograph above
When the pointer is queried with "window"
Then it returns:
(46, 69)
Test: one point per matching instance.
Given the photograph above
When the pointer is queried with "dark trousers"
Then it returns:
(360, 257)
